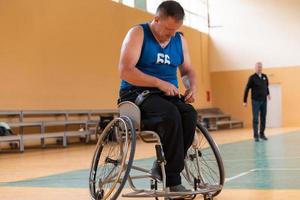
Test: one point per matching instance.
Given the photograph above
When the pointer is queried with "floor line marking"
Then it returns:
(269, 158)
(239, 175)
(260, 169)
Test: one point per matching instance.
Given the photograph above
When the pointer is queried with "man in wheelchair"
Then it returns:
(150, 55)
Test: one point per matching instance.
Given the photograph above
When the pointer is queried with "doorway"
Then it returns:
(274, 112)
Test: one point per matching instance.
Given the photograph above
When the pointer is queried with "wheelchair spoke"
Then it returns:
(203, 163)
(109, 172)
(209, 178)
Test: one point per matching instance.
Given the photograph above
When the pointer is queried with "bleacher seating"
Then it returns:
(55, 119)
(215, 119)
(45, 120)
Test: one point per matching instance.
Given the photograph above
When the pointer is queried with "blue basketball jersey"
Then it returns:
(157, 61)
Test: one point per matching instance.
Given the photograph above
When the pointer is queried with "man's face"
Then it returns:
(258, 68)
(167, 27)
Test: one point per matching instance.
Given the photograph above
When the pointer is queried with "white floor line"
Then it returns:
(277, 169)
(260, 169)
(239, 175)
(269, 158)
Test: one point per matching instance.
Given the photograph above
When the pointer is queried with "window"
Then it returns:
(128, 2)
(196, 10)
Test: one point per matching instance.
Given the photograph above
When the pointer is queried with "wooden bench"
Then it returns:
(214, 119)
(215, 116)
(14, 138)
(23, 119)
(10, 113)
(231, 124)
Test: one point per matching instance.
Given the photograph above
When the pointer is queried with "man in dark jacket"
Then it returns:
(259, 85)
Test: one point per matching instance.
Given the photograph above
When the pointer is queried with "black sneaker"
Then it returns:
(256, 139)
(156, 171)
(179, 188)
(263, 137)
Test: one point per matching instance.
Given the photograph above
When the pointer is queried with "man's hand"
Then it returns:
(168, 88)
(269, 97)
(245, 104)
(189, 96)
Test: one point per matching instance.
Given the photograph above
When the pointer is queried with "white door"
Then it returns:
(274, 107)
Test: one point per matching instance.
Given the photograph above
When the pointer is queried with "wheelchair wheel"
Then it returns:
(203, 164)
(112, 159)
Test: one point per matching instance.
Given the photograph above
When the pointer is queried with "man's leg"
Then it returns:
(263, 113)
(255, 111)
(189, 121)
(164, 118)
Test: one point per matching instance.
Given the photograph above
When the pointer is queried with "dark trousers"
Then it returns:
(175, 122)
(259, 108)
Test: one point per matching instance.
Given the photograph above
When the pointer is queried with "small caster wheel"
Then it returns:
(99, 195)
(153, 184)
(208, 197)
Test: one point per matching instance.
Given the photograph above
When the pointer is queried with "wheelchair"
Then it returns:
(113, 162)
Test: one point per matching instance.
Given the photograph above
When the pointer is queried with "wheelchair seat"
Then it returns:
(131, 110)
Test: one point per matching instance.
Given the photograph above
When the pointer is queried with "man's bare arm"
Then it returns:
(186, 69)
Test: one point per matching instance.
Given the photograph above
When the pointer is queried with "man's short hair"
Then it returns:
(171, 9)
(258, 63)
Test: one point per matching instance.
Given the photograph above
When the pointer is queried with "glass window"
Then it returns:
(152, 5)
(196, 10)
(128, 2)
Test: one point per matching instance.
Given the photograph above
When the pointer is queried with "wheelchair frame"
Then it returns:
(125, 129)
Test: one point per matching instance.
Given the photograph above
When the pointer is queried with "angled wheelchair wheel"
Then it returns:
(112, 159)
(203, 164)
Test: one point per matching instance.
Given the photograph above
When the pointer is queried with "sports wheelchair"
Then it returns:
(113, 161)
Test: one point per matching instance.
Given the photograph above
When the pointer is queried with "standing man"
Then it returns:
(150, 56)
(259, 85)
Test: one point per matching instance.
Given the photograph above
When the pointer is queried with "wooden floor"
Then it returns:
(36, 163)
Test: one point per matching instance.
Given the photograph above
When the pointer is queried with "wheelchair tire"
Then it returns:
(203, 164)
(112, 159)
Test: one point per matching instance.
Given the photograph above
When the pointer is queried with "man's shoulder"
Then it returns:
(135, 33)
(264, 75)
(140, 27)
(137, 29)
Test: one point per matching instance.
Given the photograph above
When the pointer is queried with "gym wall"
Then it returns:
(244, 32)
(228, 90)
(63, 54)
